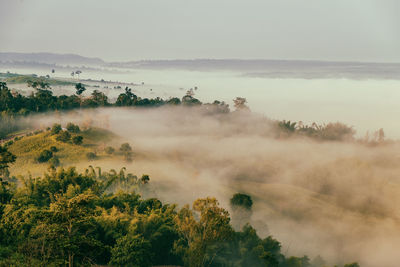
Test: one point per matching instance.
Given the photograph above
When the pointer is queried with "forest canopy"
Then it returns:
(94, 218)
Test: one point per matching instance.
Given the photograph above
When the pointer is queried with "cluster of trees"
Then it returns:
(48, 155)
(70, 135)
(42, 99)
(331, 131)
(66, 218)
(125, 150)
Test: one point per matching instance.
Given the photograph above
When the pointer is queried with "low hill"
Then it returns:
(51, 58)
(28, 148)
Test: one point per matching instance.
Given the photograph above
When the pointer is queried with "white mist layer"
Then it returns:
(366, 104)
(339, 200)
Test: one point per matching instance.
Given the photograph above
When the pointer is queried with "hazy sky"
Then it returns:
(355, 30)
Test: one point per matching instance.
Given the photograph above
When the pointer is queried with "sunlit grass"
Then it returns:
(28, 149)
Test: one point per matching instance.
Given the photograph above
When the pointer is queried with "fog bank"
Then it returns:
(336, 199)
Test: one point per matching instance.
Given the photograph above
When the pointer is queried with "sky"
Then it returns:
(122, 30)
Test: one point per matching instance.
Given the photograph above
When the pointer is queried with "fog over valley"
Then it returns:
(179, 133)
(338, 198)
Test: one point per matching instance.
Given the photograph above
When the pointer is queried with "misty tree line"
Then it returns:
(14, 105)
(42, 100)
(66, 218)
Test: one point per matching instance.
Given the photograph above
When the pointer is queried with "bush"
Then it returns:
(77, 140)
(126, 150)
(44, 156)
(56, 129)
(109, 150)
(53, 149)
(125, 147)
(241, 200)
(64, 136)
(9, 143)
(54, 161)
(73, 128)
(91, 156)
(337, 132)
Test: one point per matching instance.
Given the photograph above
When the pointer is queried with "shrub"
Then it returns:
(77, 139)
(56, 129)
(9, 143)
(109, 150)
(54, 161)
(73, 128)
(241, 200)
(125, 147)
(53, 149)
(64, 136)
(337, 132)
(44, 156)
(91, 156)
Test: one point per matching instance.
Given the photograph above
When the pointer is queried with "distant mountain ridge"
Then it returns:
(50, 58)
(264, 68)
(261, 68)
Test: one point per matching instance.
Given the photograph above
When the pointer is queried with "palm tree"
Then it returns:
(78, 72)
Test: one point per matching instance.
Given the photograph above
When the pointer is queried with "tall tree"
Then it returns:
(200, 238)
(80, 88)
(6, 158)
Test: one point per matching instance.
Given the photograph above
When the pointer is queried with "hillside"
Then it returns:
(28, 148)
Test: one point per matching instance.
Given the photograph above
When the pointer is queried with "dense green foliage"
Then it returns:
(99, 218)
(66, 218)
(77, 139)
(63, 136)
(44, 156)
(241, 200)
(42, 99)
(73, 128)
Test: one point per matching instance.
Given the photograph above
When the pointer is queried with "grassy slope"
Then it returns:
(18, 79)
(29, 147)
